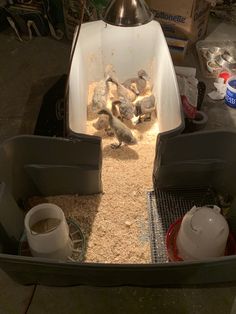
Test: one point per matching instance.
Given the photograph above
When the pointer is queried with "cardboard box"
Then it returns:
(178, 49)
(183, 19)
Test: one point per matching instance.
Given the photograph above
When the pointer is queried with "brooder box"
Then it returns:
(32, 165)
(128, 49)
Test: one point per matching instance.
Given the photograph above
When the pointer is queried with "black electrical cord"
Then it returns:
(70, 64)
(31, 299)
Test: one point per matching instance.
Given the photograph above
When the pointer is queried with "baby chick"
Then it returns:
(102, 123)
(126, 108)
(110, 72)
(145, 107)
(133, 88)
(122, 91)
(100, 95)
(140, 82)
(101, 91)
(121, 131)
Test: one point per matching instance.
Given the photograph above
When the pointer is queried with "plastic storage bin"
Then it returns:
(31, 165)
(128, 49)
(18, 183)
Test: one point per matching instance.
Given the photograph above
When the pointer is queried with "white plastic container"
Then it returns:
(54, 243)
(128, 49)
(203, 234)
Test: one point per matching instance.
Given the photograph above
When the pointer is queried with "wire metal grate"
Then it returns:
(165, 207)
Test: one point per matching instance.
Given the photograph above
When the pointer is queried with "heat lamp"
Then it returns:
(127, 13)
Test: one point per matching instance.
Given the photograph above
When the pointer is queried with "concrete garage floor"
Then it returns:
(28, 69)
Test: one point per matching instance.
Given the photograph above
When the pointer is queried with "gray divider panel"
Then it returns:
(48, 166)
(69, 179)
(196, 159)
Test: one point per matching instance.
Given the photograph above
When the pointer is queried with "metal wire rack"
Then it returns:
(165, 206)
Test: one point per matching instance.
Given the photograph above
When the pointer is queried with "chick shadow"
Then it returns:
(124, 152)
(86, 209)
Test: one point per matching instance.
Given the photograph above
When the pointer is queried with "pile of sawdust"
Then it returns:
(115, 223)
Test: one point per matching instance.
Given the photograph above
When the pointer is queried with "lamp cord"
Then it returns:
(30, 300)
(66, 93)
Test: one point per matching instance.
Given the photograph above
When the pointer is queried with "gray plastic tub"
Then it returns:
(31, 165)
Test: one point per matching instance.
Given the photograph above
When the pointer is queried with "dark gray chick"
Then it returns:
(102, 123)
(145, 107)
(140, 82)
(126, 108)
(121, 131)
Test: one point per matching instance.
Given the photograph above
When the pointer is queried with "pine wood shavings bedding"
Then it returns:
(115, 223)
